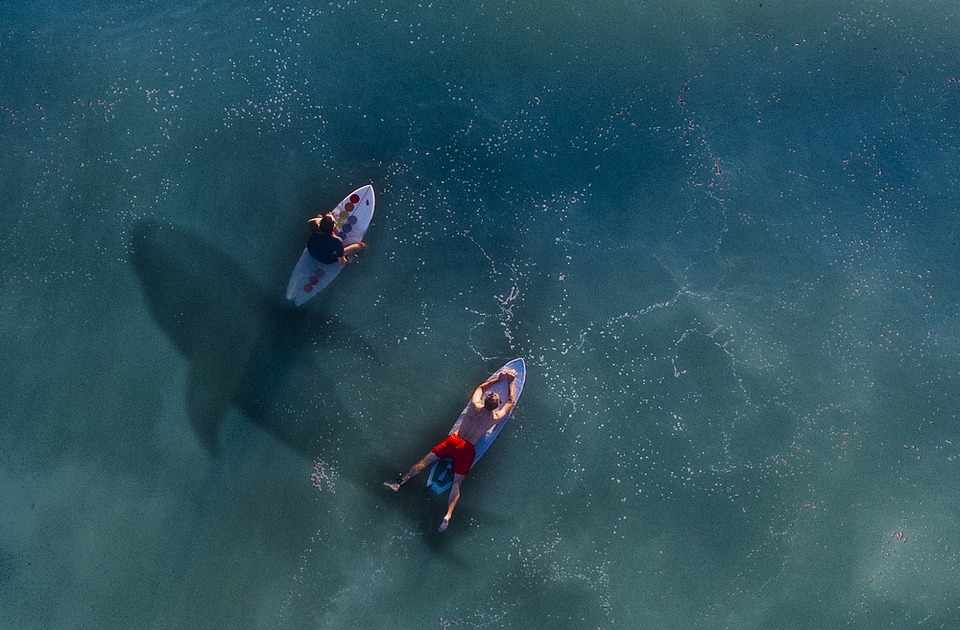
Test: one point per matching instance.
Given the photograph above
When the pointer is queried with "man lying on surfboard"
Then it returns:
(482, 414)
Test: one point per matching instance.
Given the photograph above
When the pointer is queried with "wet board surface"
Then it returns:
(352, 217)
(441, 474)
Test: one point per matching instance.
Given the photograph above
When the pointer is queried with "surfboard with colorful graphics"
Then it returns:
(352, 217)
(441, 474)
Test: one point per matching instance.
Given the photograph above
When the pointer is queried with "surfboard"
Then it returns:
(352, 217)
(441, 474)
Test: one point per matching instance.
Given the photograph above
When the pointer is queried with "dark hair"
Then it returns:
(326, 224)
(491, 402)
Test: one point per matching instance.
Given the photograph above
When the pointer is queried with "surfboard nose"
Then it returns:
(367, 191)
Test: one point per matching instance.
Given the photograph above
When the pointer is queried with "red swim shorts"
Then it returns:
(457, 449)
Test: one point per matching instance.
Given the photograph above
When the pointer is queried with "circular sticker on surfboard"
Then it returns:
(351, 217)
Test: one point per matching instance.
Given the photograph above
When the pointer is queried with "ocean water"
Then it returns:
(723, 235)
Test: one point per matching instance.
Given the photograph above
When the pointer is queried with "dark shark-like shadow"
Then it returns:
(245, 349)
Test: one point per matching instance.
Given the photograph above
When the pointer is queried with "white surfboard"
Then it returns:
(352, 217)
(441, 474)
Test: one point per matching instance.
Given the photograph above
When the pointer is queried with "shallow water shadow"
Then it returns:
(245, 349)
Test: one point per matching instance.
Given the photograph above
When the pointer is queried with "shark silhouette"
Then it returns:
(245, 350)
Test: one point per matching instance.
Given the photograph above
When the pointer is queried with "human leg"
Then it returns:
(452, 501)
(427, 459)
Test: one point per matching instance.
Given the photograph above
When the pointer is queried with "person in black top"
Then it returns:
(324, 246)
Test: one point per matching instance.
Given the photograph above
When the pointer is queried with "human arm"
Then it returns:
(477, 399)
(478, 395)
(507, 407)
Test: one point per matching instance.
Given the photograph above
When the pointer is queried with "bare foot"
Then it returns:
(444, 524)
(392, 485)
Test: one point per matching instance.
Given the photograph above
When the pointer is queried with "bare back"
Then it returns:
(475, 423)
(477, 420)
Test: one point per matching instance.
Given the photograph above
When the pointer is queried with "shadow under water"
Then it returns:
(245, 349)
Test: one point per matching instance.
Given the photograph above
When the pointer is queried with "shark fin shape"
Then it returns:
(208, 400)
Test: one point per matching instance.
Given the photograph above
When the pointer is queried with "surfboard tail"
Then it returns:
(441, 476)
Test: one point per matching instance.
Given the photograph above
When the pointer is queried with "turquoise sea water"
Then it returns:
(722, 234)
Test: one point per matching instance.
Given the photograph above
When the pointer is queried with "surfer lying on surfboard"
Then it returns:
(482, 414)
(325, 246)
